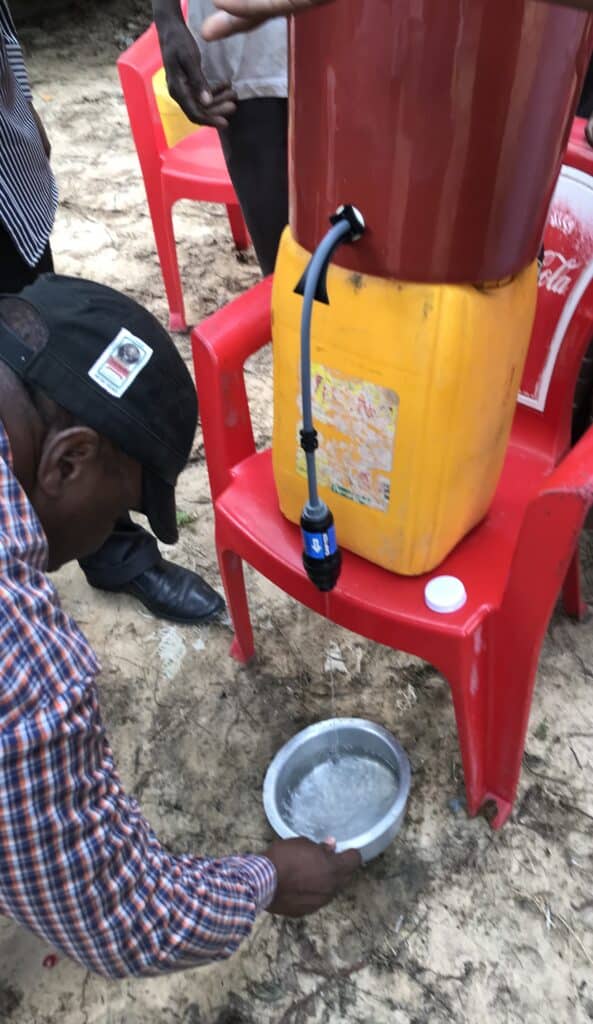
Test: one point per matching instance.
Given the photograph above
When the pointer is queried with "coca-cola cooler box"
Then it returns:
(566, 273)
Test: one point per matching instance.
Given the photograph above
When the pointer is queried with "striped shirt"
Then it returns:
(28, 191)
(79, 865)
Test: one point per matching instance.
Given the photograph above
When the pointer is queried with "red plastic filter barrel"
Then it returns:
(444, 121)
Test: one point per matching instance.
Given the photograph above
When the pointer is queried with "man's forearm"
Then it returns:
(166, 11)
(80, 866)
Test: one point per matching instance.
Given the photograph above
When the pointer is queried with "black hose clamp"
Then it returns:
(355, 219)
(309, 442)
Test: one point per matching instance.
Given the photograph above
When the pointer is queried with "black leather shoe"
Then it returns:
(171, 592)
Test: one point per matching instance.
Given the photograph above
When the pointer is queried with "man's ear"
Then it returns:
(67, 457)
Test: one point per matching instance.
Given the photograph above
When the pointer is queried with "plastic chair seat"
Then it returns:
(249, 506)
(202, 149)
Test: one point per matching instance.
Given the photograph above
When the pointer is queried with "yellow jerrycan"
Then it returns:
(414, 389)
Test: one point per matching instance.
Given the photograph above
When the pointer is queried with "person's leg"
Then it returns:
(129, 551)
(15, 273)
(130, 562)
(255, 150)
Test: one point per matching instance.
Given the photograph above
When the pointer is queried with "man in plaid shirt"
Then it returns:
(97, 417)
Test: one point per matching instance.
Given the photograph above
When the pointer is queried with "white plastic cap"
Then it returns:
(445, 594)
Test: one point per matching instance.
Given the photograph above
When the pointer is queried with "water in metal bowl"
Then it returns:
(345, 778)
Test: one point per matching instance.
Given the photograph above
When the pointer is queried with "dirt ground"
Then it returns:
(454, 923)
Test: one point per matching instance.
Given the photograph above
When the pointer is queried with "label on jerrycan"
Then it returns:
(357, 424)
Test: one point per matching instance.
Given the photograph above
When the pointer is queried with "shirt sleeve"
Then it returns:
(13, 52)
(81, 866)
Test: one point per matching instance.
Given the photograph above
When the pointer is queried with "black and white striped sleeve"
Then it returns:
(28, 192)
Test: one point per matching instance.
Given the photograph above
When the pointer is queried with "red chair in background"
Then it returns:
(193, 169)
(513, 565)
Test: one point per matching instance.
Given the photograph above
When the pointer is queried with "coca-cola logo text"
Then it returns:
(558, 273)
(562, 221)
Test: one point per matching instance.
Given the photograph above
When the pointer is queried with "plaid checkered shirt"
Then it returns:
(79, 865)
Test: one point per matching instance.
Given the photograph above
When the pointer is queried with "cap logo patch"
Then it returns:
(121, 362)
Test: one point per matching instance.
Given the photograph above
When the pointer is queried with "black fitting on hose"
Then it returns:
(309, 442)
(355, 220)
(322, 557)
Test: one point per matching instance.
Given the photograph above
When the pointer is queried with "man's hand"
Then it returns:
(183, 67)
(244, 15)
(309, 875)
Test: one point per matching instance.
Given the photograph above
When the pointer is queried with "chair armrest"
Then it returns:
(220, 345)
(554, 519)
(545, 547)
(574, 474)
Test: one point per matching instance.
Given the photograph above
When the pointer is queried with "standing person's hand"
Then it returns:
(243, 15)
(309, 875)
(185, 79)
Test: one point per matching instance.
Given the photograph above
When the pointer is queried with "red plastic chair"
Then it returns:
(193, 169)
(513, 565)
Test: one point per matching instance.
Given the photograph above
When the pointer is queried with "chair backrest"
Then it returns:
(563, 326)
(137, 67)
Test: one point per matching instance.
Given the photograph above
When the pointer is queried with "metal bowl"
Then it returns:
(322, 744)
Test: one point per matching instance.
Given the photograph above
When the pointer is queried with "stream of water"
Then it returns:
(344, 795)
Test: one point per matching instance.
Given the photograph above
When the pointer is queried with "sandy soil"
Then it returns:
(454, 923)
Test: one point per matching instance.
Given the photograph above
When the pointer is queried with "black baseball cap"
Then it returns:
(109, 362)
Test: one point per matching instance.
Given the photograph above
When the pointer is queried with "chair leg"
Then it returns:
(512, 680)
(540, 565)
(238, 227)
(572, 595)
(164, 236)
(231, 571)
(468, 678)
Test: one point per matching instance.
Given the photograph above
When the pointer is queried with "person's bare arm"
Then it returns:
(243, 15)
(183, 67)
